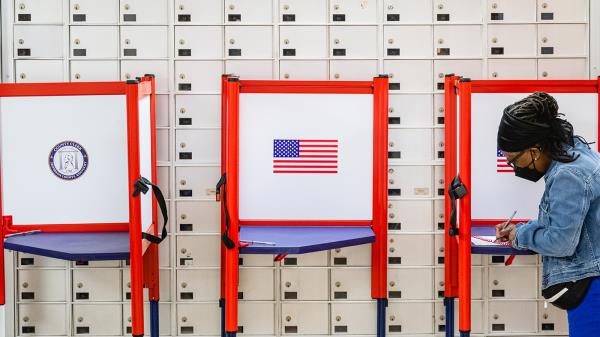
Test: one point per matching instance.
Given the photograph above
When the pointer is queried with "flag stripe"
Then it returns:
(304, 171)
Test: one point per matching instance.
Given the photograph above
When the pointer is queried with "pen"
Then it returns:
(507, 222)
(259, 242)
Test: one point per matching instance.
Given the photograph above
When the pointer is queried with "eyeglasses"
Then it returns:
(511, 162)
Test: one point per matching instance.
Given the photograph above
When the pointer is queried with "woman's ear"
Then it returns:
(536, 153)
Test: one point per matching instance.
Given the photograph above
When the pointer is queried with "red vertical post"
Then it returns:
(464, 243)
(6, 221)
(380, 192)
(223, 168)
(135, 235)
(232, 255)
(450, 171)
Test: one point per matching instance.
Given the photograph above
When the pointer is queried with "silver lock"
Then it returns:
(286, 76)
(77, 76)
(286, 7)
(440, 41)
(441, 75)
(441, 109)
(182, 145)
(392, 284)
(127, 7)
(183, 216)
(494, 5)
(129, 319)
(545, 40)
(182, 110)
(494, 74)
(21, 6)
(338, 318)
(336, 7)
(26, 319)
(21, 41)
(288, 284)
(288, 318)
(392, 249)
(231, 7)
(22, 76)
(391, 144)
(494, 40)
(496, 316)
(76, 7)
(390, 41)
(231, 41)
(184, 319)
(181, 41)
(391, 109)
(25, 285)
(286, 41)
(79, 285)
(441, 6)
(181, 7)
(391, 181)
(183, 250)
(392, 318)
(184, 285)
(544, 5)
(79, 319)
(338, 284)
(390, 7)
(392, 215)
(495, 282)
(127, 41)
(336, 76)
(337, 250)
(76, 41)
(545, 74)
(391, 171)
(182, 76)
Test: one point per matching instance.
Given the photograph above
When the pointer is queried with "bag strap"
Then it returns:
(142, 186)
(230, 244)
(456, 190)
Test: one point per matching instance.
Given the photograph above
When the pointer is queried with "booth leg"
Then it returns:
(465, 333)
(231, 334)
(154, 316)
(381, 305)
(449, 304)
(222, 306)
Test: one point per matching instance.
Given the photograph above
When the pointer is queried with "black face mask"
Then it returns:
(527, 173)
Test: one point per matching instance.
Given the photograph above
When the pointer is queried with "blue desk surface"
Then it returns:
(493, 250)
(302, 239)
(73, 246)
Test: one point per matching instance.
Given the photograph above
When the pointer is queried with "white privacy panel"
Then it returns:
(145, 138)
(343, 118)
(91, 181)
(495, 195)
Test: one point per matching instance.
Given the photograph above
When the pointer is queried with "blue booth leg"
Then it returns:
(222, 306)
(154, 317)
(381, 305)
(465, 333)
(449, 304)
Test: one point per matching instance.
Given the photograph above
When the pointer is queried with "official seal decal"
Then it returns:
(68, 160)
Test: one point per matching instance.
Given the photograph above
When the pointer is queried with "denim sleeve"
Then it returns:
(568, 203)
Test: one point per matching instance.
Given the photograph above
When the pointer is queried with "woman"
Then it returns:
(538, 143)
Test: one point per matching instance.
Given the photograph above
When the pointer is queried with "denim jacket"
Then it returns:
(567, 230)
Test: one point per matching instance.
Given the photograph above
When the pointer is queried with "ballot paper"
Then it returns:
(487, 240)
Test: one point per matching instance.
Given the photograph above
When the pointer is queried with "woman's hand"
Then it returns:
(507, 233)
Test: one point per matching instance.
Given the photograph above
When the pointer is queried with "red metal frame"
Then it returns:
(232, 87)
(143, 257)
(464, 89)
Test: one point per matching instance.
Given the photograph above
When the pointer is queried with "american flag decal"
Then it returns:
(305, 156)
(502, 163)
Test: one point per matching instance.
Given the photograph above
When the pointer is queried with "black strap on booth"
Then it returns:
(456, 190)
(142, 186)
(225, 236)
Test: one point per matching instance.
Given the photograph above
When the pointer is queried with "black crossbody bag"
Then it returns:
(567, 295)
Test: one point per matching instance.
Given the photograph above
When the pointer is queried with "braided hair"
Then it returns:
(535, 121)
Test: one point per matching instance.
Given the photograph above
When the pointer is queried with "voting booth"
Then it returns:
(304, 169)
(77, 162)
(482, 188)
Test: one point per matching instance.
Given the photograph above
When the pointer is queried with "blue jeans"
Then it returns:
(584, 321)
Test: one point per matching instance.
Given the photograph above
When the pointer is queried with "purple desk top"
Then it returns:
(302, 239)
(73, 246)
(493, 250)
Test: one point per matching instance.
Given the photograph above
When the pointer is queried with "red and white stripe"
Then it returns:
(316, 156)
(502, 165)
